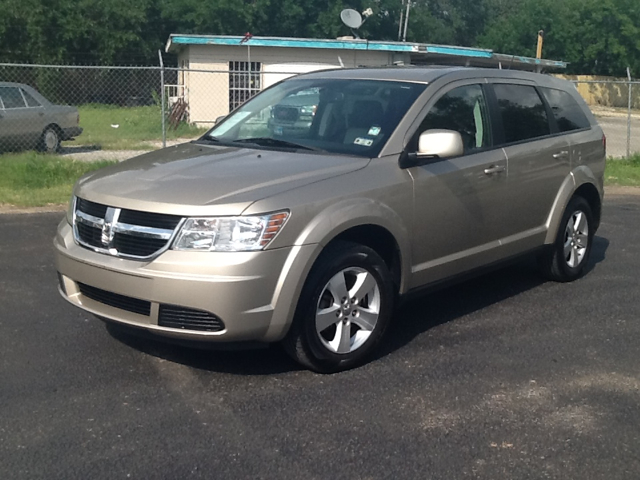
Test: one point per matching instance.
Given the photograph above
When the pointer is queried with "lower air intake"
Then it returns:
(172, 316)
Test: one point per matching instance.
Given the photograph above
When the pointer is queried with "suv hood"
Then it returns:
(196, 179)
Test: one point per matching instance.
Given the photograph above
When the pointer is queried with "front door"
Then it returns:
(458, 202)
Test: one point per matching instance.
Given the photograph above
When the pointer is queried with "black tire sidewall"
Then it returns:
(568, 272)
(326, 267)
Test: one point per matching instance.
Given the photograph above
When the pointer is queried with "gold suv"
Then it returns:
(402, 179)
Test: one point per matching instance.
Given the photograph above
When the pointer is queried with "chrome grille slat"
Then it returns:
(121, 232)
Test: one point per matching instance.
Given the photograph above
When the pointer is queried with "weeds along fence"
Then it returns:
(144, 108)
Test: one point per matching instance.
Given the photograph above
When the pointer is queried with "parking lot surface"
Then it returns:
(502, 377)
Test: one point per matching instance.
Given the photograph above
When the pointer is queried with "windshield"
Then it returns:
(352, 117)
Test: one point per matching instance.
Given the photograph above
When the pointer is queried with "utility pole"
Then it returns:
(406, 21)
(400, 22)
(540, 42)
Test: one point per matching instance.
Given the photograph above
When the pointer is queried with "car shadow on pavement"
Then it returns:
(411, 320)
(423, 313)
(266, 360)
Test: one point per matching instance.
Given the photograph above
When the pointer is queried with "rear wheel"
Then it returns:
(344, 309)
(568, 257)
(50, 141)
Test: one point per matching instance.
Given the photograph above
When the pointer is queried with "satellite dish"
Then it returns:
(351, 18)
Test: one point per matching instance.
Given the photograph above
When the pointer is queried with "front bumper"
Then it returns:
(254, 293)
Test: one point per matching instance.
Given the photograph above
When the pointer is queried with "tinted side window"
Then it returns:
(568, 114)
(31, 102)
(523, 113)
(11, 97)
(464, 110)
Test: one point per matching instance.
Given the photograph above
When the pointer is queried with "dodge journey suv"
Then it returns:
(401, 179)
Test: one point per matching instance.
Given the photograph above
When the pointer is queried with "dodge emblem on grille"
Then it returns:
(110, 218)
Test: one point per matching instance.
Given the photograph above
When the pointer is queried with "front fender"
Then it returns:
(318, 233)
(354, 212)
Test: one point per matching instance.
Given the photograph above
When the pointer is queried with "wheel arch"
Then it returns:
(582, 182)
(369, 223)
(366, 222)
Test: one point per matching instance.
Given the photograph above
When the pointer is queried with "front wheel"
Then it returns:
(567, 258)
(344, 309)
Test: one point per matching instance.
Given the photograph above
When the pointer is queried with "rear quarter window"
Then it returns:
(523, 114)
(566, 110)
(31, 102)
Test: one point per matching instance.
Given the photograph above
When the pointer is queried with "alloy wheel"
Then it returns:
(348, 310)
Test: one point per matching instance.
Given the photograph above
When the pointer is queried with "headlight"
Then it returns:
(229, 234)
(71, 209)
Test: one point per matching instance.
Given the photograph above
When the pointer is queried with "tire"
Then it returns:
(50, 141)
(317, 337)
(567, 258)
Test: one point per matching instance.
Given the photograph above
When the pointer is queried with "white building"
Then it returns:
(215, 78)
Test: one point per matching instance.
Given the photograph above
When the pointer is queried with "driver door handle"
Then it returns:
(494, 169)
(561, 155)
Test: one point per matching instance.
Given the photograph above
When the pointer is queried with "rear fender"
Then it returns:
(578, 177)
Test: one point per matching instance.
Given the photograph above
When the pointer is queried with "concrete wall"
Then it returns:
(208, 92)
(605, 94)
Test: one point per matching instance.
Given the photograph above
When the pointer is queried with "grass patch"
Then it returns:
(624, 172)
(32, 180)
(137, 126)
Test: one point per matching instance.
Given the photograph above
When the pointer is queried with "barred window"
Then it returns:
(243, 84)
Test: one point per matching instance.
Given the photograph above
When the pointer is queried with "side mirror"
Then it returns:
(219, 119)
(434, 145)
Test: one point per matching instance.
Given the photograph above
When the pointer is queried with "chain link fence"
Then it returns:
(616, 105)
(114, 112)
(92, 112)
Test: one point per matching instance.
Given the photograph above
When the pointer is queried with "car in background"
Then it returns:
(28, 120)
(294, 114)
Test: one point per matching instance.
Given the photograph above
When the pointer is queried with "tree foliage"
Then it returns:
(595, 36)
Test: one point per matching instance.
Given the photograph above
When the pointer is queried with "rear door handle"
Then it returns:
(494, 169)
(561, 155)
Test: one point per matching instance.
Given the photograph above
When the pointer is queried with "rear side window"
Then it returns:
(11, 97)
(31, 102)
(523, 113)
(568, 114)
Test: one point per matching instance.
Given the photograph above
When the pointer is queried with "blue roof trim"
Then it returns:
(460, 52)
(295, 43)
(386, 46)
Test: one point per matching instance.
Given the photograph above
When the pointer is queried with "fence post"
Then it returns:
(162, 100)
(629, 115)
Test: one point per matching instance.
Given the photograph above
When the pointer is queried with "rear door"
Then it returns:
(538, 161)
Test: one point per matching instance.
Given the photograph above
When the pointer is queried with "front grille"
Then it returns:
(173, 316)
(94, 209)
(148, 219)
(90, 235)
(122, 232)
(287, 114)
(134, 305)
(137, 246)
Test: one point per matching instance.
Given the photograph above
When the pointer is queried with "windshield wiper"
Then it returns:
(207, 139)
(275, 142)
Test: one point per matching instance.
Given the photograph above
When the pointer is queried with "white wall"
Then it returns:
(209, 92)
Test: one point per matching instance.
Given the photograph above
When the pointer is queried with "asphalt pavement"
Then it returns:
(503, 377)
